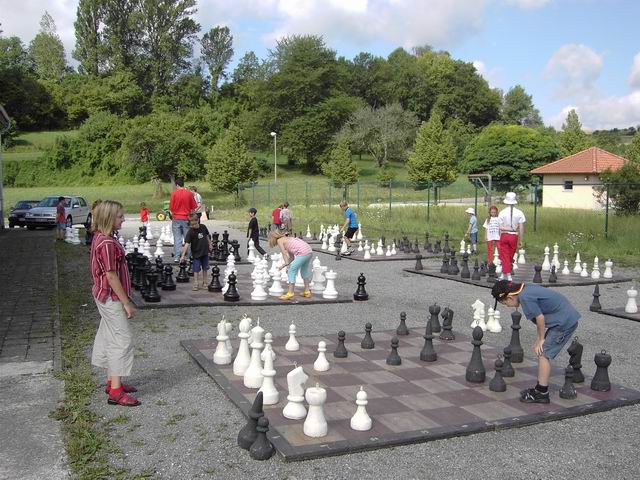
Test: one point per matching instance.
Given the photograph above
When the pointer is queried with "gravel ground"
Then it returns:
(187, 427)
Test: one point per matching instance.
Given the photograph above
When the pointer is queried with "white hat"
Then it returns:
(470, 210)
(510, 199)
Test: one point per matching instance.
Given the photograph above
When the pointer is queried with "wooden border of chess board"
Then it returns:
(620, 313)
(310, 241)
(358, 256)
(574, 280)
(342, 440)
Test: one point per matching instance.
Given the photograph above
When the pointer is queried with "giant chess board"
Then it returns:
(414, 402)
(359, 256)
(620, 313)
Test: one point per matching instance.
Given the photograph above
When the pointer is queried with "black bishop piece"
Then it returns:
(595, 304)
(517, 353)
(465, 273)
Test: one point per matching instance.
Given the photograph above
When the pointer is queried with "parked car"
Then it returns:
(44, 215)
(17, 213)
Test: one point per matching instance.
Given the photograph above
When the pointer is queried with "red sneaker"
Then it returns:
(123, 399)
(125, 388)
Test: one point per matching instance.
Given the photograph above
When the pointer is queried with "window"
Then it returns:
(83, 203)
(568, 185)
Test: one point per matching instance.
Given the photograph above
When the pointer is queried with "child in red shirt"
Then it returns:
(144, 214)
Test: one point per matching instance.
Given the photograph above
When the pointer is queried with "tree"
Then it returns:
(13, 55)
(216, 52)
(572, 139)
(433, 158)
(248, 68)
(509, 152)
(341, 169)
(624, 194)
(47, 51)
(122, 33)
(633, 150)
(229, 162)
(89, 49)
(518, 108)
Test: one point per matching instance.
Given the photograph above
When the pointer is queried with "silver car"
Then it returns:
(44, 215)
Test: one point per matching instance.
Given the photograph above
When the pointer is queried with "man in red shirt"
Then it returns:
(181, 204)
(275, 218)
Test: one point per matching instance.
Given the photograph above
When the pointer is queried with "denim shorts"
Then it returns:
(200, 263)
(555, 339)
(474, 238)
(61, 225)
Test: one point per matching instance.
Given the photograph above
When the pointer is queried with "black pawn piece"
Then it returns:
(476, 272)
(447, 325)
(575, 360)
(568, 391)
(600, 381)
(416, 248)
(402, 328)
(168, 284)
(367, 342)
(434, 311)
(537, 276)
(190, 269)
(261, 448)
(248, 434)
(553, 277)
(152, 291)
(491, 273)
(483, 269)
(475, 370)
(419, 263)
(445, 264)
(361, 294)
(437, 248)
(595, 304)
(214, 285)
(497, 383)
(517, 353)
(231, 295)
(394, 358)
(453, 266)
(428, 353)
(465, 273)
(183, 276)
(341, 350)
(507, 368)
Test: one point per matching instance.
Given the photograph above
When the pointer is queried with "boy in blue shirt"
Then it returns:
(472, 229)
(350, 226)
(549, 311)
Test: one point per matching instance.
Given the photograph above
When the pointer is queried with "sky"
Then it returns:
(567, 54)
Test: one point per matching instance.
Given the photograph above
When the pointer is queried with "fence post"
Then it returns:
(428, 202)
(269, 193)
(330, 196)
(535, 207)
(253, 193)
(306, 193)
(606, 215)
(358, 194)
(475, 183)
(286, 191)
(389, 196)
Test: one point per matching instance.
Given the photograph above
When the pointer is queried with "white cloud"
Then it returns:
(576, 67)
(493, 76)
(634, 76)
(528, 4)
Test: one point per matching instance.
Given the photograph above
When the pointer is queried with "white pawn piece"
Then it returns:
(607, 269)
(229, 327)
(514, 262)
(268, 342)
(136, 240)
(373, 248)
(129, 247)
(388, 252)
(276, 287)
(76, 236)
(595, 273)
(584, 272)
(462, 247)
(468, 249)
(258, 292)
(252, 251)
(565, 269)
(299, 281)
(308, 235)
(284, 276)
(324, 242)
(292, 344)
(631, 306)
(379, 250)
(367, 252)
(556, 253)
(393, 249)
(149, 233)
(491, 318)
(321, 364)
(330, 291)
(546, 264)
(343, 248)
(253, 375)
(359, 234)
(270, 394)
(361, 421)
(578, 266)
(121, 240)
(222, 356)
(493, 325)
(295, 409)
(521, 259)
(241, 363)
(159, 252)
(360, 249)
(315, 425)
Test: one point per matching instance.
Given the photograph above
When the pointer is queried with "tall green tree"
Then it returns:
(216, 53)
(433, 158)
(341, 168)
(518, 108)
(572, 139)
(47, 51)
(633, 150)
(624, 194)
(13, 55)
(122, 33)
(229, 162)
(89, 49)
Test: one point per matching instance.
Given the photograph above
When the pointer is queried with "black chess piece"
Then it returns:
(231, 295)
(537, 276)
(453, 265)
(416, 249)
(418, 263)
(517, 353)
(160, 270)
(182, 277)
(497, 383)
(465, 273)
(248, 434)
(214, 285)
(447, 325)
(235, 249)
(144, 285)
(314, 236)
(341, 350)
(483, 269)
(553, 277)
(476, 272)
(394, 358)
(445, 264)
(491, 273)
(168, 284)
(437, 248)
(428, 353)
(446, 248)
(338, 245)
(568, 390)
(595, 304)
(190, 269)
(262, 448)
(361, 294)
(507, 368)
(434, 311)
(575, 360)
(475, 370)
(367, 342)
(402, 328)
(600, 381)
(152, 291)
(427, 245)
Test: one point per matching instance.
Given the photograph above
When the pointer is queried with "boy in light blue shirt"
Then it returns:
(350, 226)
(472, 229)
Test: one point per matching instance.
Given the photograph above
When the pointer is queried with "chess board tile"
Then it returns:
(359, 256)
(620, 313)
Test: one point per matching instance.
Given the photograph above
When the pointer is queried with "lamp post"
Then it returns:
(275, 157)
(5, 123)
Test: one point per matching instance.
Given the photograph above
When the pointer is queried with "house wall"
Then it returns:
(582, 196)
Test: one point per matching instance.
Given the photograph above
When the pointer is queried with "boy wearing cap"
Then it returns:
(555, 319)
(253, 232)
(511, 233)
(472, 229)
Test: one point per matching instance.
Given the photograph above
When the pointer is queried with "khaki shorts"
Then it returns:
(113, 345)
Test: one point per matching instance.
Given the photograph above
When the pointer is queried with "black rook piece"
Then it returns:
(248, 434)
(595, 304)
(475, 370)
(434, 311)
(497, 383)
(568, 391)
(402, 328)
(182, 277)
(341, 350)
(428, 353)
(537, 276)
(361, 294)
(447, 325)
(168, 283)
(261, 448)
(575, 360)
(394, 358)
(214, 285)
(367, 342)
(231, 295)
(600, 381)
(152, 293)
(517, 353)
(419, 263)
(507, 368)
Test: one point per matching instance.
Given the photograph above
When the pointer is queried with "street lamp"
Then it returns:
(275, 157)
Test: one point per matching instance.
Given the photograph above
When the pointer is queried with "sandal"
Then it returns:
(306, 294)
(123, 399)
(286, 296)
(195, 287)
(125, 388)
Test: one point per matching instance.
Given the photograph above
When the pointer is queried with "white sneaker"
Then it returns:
(501, 277)
(509, 277)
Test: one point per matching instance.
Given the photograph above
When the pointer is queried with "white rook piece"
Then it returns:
(241, 363)
(361, 420)
(631, 306)
(296, 380)
(330, 291)
(322, 364)
(315, 425)
(607, 269)
(292, 344)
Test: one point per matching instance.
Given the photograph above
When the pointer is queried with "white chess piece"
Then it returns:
(388, 252)
(268, 342)
(595, 273)
(229, 327)
(253, 375)
(565, 270)
(462, 247)
(493, 325)
(343, 247)
(295, 409)
(292, 344)
(252, 251)
(361, 421)
(481, 322)
(521, 258)
(477, 306)
(308, 235)
(332, 244)
(584, 272)
(318, 279)
(324, 242)
(379, 250)
(360, 249)
(490, 318)
(330, 291)
(270, 394)
(299, 281)
(243, 358)
(555, 260)
(359, 234)
(315, 425)
(222, 356)
(322, 364)
(546, 264)
(393, 249)
(367, 252)
(514, 262)
(276, 287)
(498, 267)
(258, 292)
(607, 269)
(578, 266)
(631, 306)
(496, 257)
